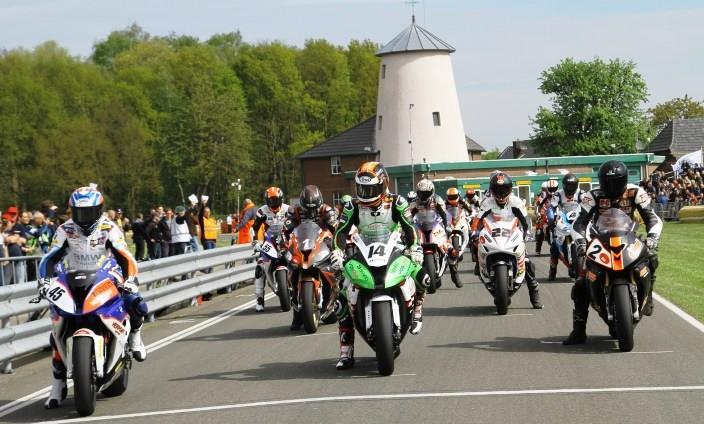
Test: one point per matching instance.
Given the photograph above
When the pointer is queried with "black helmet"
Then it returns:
(500, 186)
(570, 184)
(613, 177)
(311, 198)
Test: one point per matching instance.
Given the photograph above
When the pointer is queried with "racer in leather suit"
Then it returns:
(272, 216)
(613, 192)
(543, 229)
(375, 213)
(81, 243)
(500, 186)
(567, 199)
(311, 207)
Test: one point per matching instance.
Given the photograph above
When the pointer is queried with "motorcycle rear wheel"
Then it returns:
(383, 333)
(84, 390)
(623, 316)
(501, 298)
(309, 308)
(284, 293)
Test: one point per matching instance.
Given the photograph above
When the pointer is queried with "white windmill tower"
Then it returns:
(418, 113)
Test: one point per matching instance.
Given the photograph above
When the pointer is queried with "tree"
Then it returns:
(105, 51)
(596, 108)
(364, 75)
(491, 154)
(677, 108)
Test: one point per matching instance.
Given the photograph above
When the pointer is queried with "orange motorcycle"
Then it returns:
(316, 288)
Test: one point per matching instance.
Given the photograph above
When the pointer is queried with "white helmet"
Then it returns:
(544, 186)
(425, 189)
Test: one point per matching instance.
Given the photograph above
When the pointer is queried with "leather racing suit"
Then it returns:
(274, 223)
(561, 201)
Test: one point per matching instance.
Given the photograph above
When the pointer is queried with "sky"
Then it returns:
(502, 45)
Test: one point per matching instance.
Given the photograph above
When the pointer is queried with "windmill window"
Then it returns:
(436, 119)
(383, 71)
(380, 121)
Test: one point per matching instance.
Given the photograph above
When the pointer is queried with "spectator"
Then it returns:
(192, 214)
(180, 235)
(139, 237)
(246, 219)
(208, 226)
(165, 224)
(16, 240)
(4, 265)
(42, 233)
(155, 237)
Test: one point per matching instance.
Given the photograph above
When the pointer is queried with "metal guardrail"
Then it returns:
(18, 269)
(159, 286)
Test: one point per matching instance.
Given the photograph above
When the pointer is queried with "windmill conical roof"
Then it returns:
(415, 38)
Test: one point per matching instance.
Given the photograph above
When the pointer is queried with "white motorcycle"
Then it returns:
(562, 242)
(433, 240)
(502, 258)
(459, 239)
(272, 264)
(91, 326)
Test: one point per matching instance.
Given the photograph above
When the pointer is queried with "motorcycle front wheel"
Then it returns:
(283, 291)
(501, 289)
(309, 307)
(429, 266)
(383, 337)
(84, 389)
(623, 316)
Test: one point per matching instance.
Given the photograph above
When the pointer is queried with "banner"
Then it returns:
(691, 158)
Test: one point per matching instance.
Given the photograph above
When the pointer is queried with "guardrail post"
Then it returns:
(6, 367)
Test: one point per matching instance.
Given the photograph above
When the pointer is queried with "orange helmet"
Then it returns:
(372, 183)
(453, 196)
(469, 194)
(274, 197)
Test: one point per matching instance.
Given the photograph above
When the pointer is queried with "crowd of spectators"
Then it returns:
(687, 188)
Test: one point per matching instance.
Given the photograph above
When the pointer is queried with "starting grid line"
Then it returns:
(383, 397)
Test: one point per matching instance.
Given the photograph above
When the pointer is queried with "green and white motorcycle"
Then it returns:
(381, 294)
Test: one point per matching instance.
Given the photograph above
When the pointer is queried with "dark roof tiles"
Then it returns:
(415, 38)
(357, 140)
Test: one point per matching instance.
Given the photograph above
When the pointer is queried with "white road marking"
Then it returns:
(655, 352)
(316, 334)
(182, 321)
(40, 394)
(378, 397)
(518, 315)
(544, 342)
(679, 312)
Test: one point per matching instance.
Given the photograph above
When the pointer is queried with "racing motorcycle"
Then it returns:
(433, 240)
(91, 326)
(502, 258)
(272, 263)
(381, 295)
(562, 242)
(459, 238)
(316, 289)
(618, 273)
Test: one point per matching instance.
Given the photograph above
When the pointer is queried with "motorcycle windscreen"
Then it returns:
(426, 219)
(615, 221)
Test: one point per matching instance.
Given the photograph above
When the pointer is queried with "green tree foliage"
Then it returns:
(595, 105)
(153, 119)
(491, 154)
(677, 108)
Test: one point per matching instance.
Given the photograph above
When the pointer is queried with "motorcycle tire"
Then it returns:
(383, 337)
(429, 266)
(118, 386)
(501, 299)
(623, 316)
(84, 390)
(310, 315)
(283, 292)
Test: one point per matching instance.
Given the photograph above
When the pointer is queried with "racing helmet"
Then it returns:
(552, 186)
(570, 183)
(500, 187)
(613, 178)
(274, 198)
(544, 186)
(425, 189)
(311, 199)
(453, 196)
(372, 183)
(469, 194)
(346, 199)
(86, 205)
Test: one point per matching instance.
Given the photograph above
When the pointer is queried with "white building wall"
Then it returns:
(424, 79)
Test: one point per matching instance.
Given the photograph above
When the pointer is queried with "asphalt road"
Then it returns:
(468, 365)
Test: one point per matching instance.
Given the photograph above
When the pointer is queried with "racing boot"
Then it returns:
(476, 267)
(57, 394)
(296, 322)
(417, 323)
(552, 274)
(139, 352)
(346, 360)
(533, 286)
(648, 308)
(578, 334)
(259, 306)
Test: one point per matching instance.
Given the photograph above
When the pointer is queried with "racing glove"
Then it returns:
(416, 254)
(336, 259)
(652, 242)
(131, 285)
(43, 286)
